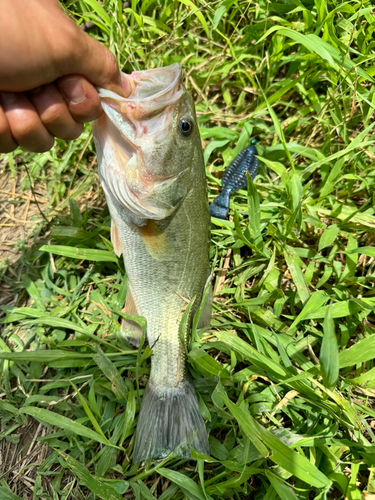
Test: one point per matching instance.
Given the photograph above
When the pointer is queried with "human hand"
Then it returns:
(48, 70)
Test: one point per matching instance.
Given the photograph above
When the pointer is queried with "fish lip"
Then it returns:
(144, 106)
(136, 77)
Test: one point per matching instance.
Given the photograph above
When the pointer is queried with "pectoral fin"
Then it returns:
(115, 239)
(130, 330)
(154, 239)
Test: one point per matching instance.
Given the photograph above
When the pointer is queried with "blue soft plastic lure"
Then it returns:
(234, 178)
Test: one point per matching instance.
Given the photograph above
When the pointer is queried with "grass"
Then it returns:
(285, 373)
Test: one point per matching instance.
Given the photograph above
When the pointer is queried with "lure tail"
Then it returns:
(220, 206)
(169, 420)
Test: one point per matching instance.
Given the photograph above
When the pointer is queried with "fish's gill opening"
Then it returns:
(121, 146)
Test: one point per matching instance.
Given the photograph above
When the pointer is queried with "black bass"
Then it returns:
(152, 172)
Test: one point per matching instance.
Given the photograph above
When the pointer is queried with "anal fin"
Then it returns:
(115, 239)
(130, 330)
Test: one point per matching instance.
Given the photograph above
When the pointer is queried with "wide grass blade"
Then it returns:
(80, 253)
(110, 371)
(362, 351)
(65, 423)
(329, 353)
(8, 495)
(184, 482)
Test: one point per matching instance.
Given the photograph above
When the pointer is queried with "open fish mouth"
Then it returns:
(128, 132)
(149, 106)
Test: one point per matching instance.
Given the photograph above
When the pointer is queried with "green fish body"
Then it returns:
(152, 172)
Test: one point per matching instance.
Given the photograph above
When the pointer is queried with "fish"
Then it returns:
(151, 168)
(235, 178)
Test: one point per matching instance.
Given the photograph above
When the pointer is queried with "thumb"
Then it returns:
(99, 66)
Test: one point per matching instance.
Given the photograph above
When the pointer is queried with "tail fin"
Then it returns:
(169, 421)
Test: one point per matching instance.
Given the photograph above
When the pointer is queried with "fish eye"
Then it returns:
(186, 126)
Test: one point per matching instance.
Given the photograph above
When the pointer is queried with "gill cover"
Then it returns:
(133, 139)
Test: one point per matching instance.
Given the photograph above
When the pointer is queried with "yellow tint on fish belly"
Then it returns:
(154, 239)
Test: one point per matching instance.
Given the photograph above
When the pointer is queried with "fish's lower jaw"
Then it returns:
(169, 421)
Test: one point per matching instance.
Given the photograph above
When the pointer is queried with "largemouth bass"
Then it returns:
(152, 172)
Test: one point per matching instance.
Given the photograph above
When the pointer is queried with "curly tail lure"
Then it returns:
(234, 178)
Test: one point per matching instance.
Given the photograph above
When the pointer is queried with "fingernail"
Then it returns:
(73, 91)
(127, 84)
(8, 98)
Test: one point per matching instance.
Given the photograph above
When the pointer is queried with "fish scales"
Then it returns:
(152, 172)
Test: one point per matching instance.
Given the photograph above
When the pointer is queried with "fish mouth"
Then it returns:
(151, 92)
(129, 129)
(154, 83)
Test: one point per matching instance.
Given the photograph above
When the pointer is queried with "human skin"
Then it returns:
(49, 68)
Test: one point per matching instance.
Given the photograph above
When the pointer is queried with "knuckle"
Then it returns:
(53, 113)
(32, 136)
(26, 126)
(112, 63)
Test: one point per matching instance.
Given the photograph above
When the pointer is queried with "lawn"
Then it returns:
(285, 373)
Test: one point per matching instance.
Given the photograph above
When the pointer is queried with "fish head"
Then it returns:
(146, 142)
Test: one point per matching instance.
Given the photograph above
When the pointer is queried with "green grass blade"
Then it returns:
(64, 423)
(254, 213)
(362, 351)
(184, 482)
(293, 260)
(80, 253)
(5, 494)
(329, 353)
(110, 371)
(284, 491)
(315, 302)
(100, 11)
(198, 13)
(89, 412)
